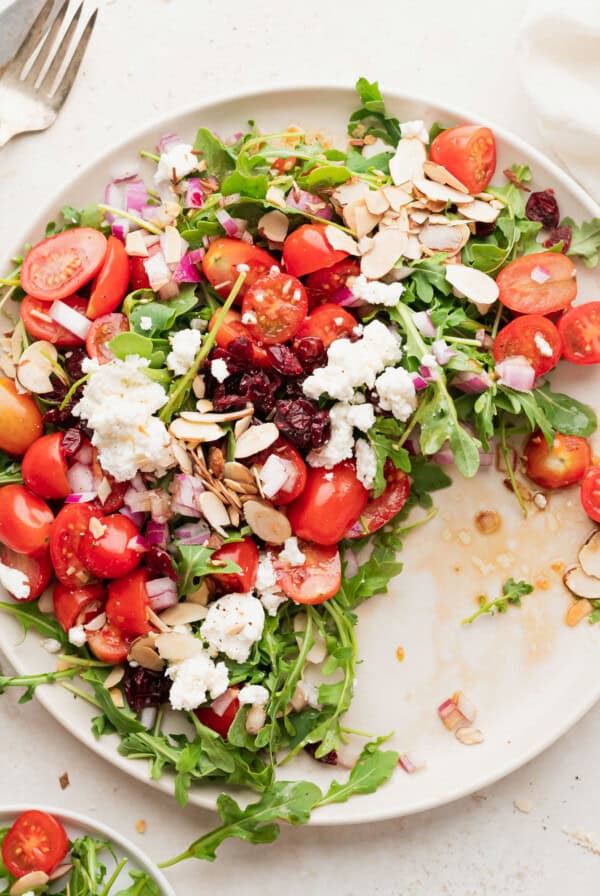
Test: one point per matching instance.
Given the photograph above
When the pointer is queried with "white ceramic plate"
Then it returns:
(530, 676)
(77, 825)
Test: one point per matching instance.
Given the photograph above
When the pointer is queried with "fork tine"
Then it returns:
(62, 51)
(32, 38)
(47, 46)
(62, 89)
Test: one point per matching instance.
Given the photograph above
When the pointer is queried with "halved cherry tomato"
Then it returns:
(590, 493)
(44, 467)
(307, 249)
(35, 842)
(332, 501)
(101, 332)
(319, 577)
(109, 644)
(61, 264)
(39, 324)
(563, 464)
(128, 602)
(520, 292)
(116, 497)
(221, 723)
(283, 166)
(321, 285)
(468, 152)
(138, 278)
(110, 555)
(278, 305)
(25, 520)
(110, 286)
(20, 420)
(232, 328)
(579, 329)
(36, 567)
(68, 529)
(533, 337)
(328, 322)
(245, 554)
(381, 510)
(221, 260)
(78, 605)
(296, 470)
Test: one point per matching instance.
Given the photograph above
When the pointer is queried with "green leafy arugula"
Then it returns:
(194, 562)
(220, 160)
(10, 470)
(585, 240)
(373, 118)
(512, 592)
(384, 437)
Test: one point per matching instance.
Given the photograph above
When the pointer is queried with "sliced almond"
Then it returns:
(182, 457)
(269, 524)
(204, 405)
(273, 226)
(474, 285)
(114, 677)
(242, 425)
(589, 555)
(60, 872)
(408, 161)
(215, 417)
(256, 439)
(35, 366)
(477, 210)
(578, 610)
(358, 218)
(178, 646)
(183, 614)
(441, 175)
(241, 488)
(580, 584)
(199, 387)
(350, 192)
(97, 529)
(195, 432)
(376, 202)
(237, 472)
(339, 239)
(276, 196)
(116, 696)
(256, 718)
(469, 736)
(199, 596)
(156, 621)
(388, 246)
(31, 881)
(214, 511)
(396, 196)
(440, 192)
(444, 238)
(146, 657)
(234, 516)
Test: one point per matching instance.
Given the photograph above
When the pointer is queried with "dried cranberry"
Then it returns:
(62, 416)
(293, 388)
(558, 234)
(302, 423)
(484, 228)
(74, 358)
(259, 388)
(320, 428)
(543, 207)
(284, 360)
(71, 441)
(233, 365)
(330, 758)
(159, 562)
(242, 350)
(225, 398)
(145, 688)
(310, 351)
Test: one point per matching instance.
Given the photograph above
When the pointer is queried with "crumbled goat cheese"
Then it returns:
(543, 346)
(118, 403)
(266, 585)
(366, 463)
(310, 692)
(184, 345)
(344, 418)
(145, 322)
(351, 365)
(52, 645)
(273, 475)
(272, 600)
(178, 160)
(429, 360)
(194, 679)
(199, 324)
(233, 624)
(249, 317)
(415, 129)
(242, 268)
(396, 392)
(15, 582)
(253, 695)
(374, 292)
(328, 477)
(77, 636)
(292, 553)
(219, 370)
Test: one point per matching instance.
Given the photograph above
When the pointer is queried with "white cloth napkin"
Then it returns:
(559, 58)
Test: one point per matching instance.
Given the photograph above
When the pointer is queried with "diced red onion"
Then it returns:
(185, 492)
(80, 497)
(120, 228)
(540, 274)
(70, 319)
(138, 544)
(465, 706)
(186, 271)
(162, 594)
(136, 517)
(136, 195)
(157, 534)
(169, 291)
(85, 455)
(148, 212)
(410, 763)
(96, 623)
(138, 483)
(423, 323)
(308, 202)
(224, 701)
(451, 715)
(517, 373)
(167, 141)
(81, 479)
(196, 255)
(192, 533)
(137, 500)
(441, 351)
(419, 382)
(124, 178)
(157, 269)
(471, 383)
(194, 194)
(344, 297)
(160, 506)
(426, 372)
(444, 456)
(229, 224)
(112, 196)
(247, 237)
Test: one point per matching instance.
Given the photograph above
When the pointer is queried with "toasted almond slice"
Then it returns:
(238, 472)
(444, 238)
(62, 869)
(195, 432)
(338, 239)
(114, 677)
(440, 192)
(31, 881)
(419, 217)
(181, 456)
(376, 202)
(580, 584)
(146, 657)
(199, 387)
(116, 696)
(35, 366)
(441, 175)
(350, 192)
(178, 646)
(479, 211)
(242, 425)
(473, 284)
(216, 416)
(396, 196)
(275, 196)
(269, 524)
(234, 516)
(199, 596)
(241, 488)
(214, 511)
(468, 735)
(204, 405)
(358, 218)
(256, 439)
(408, 161)
(183, 614)
(388, 247)
(589, 555)
(156, 621)
(274, 226)
(7, 367)
(578, 610)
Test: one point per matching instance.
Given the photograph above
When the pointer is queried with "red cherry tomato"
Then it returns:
(110, 555)
(519, 292)
(277, 304)
(68, 530)
(221, 261)
(307, 249)
(321, 285)
(563, 464)
(221, 723)
(110, 286)
(381, 510)
(138, 278)
(468, 152)
(36, 567)
(319, 577)
(232, 328)
(590, 493)
(283, 166)
(116, 497)
(579, 329)
(44, 467)
(39, 324)
(109, 644)
(128, 602)
(533, 337)
(61, 264)
(35, 842)
(327, 323)
(79, 605)
(245, 554)
(332, 501)
(101, 332)
(296, 470)
(20, 420)
(25, 520)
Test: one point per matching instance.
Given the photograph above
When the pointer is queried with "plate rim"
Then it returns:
(255, 92)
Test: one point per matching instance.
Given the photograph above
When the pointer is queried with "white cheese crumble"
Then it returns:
(415, 129)
(52, 645)
(249, 317)
(354, 364)
(194, 679)
(233, 624)
(292, 553)
(397, 392)
(118, 404)
(177, 161)
(344, 418)
(273, 475)
(184, 345)
(374, 292)
(253, 695)
(77, 636)
(542, 345)
(272, 600)
(219, 370)
(15, 582)
(366, 463)
(145, 322)
(266, 585)
(310, 693)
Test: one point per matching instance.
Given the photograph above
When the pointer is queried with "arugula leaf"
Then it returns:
(90, 216)
(373, 768)
(31, 682)
(30, 616)
(359, 164)
(219, 159)
(373, 118)
(564, 413)
(436, 129)
(130, 343)
(194, 563)
(323, 177)
(162, 314)
(512, 592)
(585, 240)
(426, 477)
(142, 885)
(383, 436)
(248, 185)
(10, 470)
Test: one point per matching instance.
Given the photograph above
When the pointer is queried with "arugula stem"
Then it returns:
(34, 680)
(497, 319)
(149, 155)
(73, 390)
(459, 340)
(9, 281)
(151, 228)
(113, 877)
(73, 660)
(509, 468)
(84, 696)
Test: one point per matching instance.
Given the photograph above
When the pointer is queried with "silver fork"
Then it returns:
(34, 87)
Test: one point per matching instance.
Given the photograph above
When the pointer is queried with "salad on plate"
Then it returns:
(229, 391)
